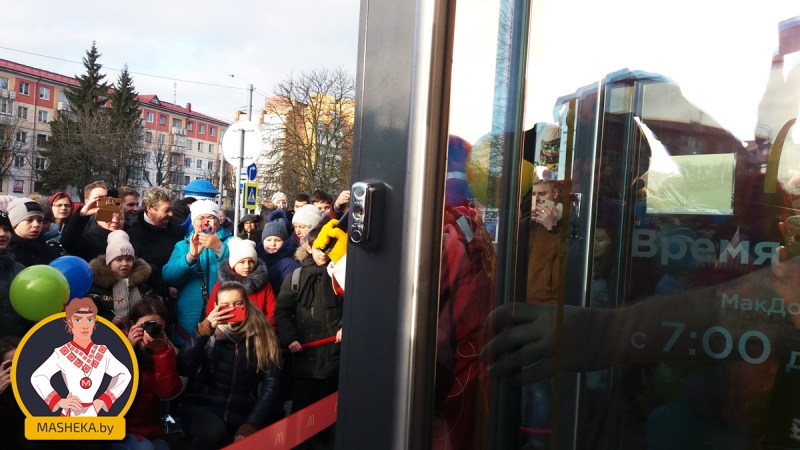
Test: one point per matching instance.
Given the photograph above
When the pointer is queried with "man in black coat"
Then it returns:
(11, 323)
(154, 235)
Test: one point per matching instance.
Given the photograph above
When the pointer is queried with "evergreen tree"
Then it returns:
(91, 92)
(124, 111)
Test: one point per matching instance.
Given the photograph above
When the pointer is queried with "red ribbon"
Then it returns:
(329, 340)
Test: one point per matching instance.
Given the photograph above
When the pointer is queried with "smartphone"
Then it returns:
(207, 227)
(548, 204)
(791, 239)
(239, 315)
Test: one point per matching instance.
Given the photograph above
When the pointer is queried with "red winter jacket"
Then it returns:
(156, 382)
(257, 285)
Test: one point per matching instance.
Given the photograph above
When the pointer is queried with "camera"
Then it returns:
(153, 328)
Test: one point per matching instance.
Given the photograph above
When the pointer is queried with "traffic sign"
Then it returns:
(251, 172)
(250, 195)
(232, 143)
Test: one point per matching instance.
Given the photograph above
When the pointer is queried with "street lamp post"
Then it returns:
(238, 203)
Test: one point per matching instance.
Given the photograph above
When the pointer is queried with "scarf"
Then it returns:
(124, 297)
(305, 292)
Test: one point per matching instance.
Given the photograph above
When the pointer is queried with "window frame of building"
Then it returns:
(18, 161)
(41, 140)
(41, 117)
(211, 166)
(24, 88)
(176, 123)
(150, 117)
(199, 163)
(201, 129)
(199, 146)
(19, 186)
(162, 138)
(23, 135)
(189, 144)
(6, 106)
(162, 120)
(40, 162)
(4, 82)
(148, 136)
(210, 148)
(189, 126)
(44, 93)
(211, 131)
(22, 112)
(187, 162)
(186, 180)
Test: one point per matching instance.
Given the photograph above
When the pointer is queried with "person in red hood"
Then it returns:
(158, 373)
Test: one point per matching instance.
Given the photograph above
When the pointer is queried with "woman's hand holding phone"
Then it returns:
(219, 315)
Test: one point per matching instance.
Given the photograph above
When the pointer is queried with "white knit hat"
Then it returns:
(279, 196)
(119, 244)
(306, 215)
(203, 206)
(239, 249)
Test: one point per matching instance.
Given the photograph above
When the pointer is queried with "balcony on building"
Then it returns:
(65, 110)
(5, 93)
(178, 140)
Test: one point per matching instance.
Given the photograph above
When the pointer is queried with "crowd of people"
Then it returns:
(218, 313)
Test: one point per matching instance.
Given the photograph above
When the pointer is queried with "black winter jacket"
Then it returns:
(154, 245)
(11, 323)
(295, 323)
(29, 252)
(84, 239)
(229, 380)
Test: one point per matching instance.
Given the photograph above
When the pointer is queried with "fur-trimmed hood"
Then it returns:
(252, 283)
(106, 278)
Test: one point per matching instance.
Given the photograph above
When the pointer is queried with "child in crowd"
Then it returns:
(28, 242)
(307, 312)
(119, 279)
(158, 375)
(243, 266)
(11, 323)
(277, 250)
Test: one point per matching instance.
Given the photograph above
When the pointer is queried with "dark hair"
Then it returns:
(8, 343)
(321, 196)
(189, 200)
(302, 198)
(232, 286)
(147, 306)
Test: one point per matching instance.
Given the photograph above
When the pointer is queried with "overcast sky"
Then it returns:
(200, 40)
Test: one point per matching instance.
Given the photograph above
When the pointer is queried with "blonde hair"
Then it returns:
(267, 349)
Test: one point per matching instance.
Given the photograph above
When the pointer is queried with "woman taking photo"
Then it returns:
(235, 349)
(158, 375)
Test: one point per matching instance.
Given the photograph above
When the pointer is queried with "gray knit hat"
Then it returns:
(22, 208)
(275, 228)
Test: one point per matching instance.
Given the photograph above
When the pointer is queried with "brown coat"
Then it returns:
(544, 264)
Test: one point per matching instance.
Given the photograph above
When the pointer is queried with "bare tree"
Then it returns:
(16, 148)
(309, 133)
(166, 160)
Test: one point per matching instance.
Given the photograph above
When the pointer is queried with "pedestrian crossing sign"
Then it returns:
(250, 195)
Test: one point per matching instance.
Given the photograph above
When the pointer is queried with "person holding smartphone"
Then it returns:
(158, 375)
(193, 266)
(236, 350)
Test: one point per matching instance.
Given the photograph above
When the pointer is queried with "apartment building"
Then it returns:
(181, 145)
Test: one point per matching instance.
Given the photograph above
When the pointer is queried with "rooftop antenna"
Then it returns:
(175, 93)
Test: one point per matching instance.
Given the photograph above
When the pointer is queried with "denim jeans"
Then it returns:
(537, 405)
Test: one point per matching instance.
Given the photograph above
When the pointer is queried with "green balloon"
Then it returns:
(38, 292)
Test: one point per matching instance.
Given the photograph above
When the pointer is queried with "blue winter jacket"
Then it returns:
(280, 264)
(179, 274)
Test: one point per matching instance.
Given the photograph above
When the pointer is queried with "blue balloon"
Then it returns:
(77, 272)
